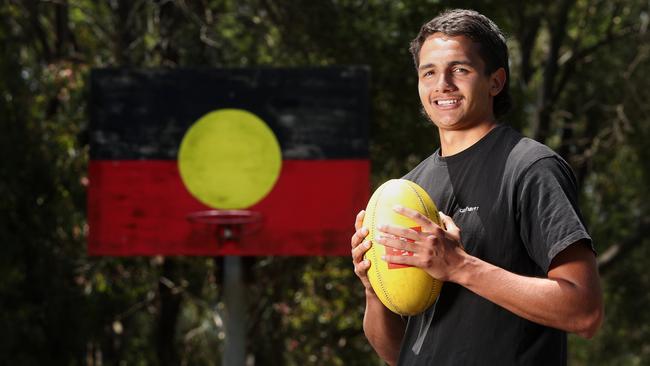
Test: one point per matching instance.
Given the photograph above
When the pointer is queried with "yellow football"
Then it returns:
(404, 290)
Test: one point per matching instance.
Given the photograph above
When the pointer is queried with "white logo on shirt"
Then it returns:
(468, 209)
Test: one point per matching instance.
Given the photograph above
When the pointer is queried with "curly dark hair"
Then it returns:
(480, 29)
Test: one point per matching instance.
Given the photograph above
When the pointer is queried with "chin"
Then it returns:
(447, 124)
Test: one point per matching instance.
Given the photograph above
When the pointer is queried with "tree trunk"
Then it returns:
(123, 36)
(62, 29)
(170, 304)
(546, 99)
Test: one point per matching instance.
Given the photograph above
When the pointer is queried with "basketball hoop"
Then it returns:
(230, 225)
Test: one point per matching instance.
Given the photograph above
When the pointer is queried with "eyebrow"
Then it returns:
(449, 64)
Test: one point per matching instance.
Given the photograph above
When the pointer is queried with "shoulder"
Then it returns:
(423, 169)
(528, 151)
(537, 169)
(530, 155)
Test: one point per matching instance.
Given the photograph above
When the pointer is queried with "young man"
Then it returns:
(518, 264)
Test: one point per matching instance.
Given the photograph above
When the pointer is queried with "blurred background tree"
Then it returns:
(580, 70)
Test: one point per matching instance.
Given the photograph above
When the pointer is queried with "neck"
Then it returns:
(454, 141)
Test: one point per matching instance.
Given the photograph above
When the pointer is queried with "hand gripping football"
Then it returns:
(405, 290)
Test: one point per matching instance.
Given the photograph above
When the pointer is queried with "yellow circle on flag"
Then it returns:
(229, 159)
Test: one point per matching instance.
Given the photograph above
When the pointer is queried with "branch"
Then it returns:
(617, 251)
(579, 55)
(575, 57)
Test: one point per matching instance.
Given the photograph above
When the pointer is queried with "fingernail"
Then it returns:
(364, 231)
(397, 207)
(366, 244)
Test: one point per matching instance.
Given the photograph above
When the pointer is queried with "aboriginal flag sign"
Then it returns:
(290, 145)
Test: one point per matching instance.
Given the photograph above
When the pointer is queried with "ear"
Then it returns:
(497, 81)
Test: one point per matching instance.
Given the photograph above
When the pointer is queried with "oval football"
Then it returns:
(402, 289)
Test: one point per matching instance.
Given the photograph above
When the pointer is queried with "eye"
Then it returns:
(460, 70)
(427, 74)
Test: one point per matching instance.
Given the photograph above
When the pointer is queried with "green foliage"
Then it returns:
(60, 306)
(314, 317)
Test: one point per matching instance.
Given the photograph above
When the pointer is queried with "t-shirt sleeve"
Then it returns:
(549, 216)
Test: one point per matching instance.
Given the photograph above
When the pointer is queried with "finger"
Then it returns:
(450, 226)
(399, 231)
(397, 243)
(400, 259)
(358, 236)
(361, 268)
(359, 220)
(359, 251)
(416, 216)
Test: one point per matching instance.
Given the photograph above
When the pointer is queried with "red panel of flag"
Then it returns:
(141, 208)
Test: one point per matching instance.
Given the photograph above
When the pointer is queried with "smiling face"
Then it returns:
(454, 89)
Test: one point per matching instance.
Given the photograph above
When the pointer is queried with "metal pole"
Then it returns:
(234, 295)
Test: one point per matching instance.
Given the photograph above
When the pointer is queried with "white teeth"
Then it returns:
(447, 102)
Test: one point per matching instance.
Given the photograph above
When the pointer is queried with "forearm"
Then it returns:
(554, 302)
(383, 328)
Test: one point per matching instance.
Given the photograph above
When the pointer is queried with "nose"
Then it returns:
(444, 83)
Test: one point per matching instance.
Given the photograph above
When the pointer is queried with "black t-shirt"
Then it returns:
(515, 202)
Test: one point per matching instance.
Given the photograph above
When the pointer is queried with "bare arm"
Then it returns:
(383, 328)
(569, 298)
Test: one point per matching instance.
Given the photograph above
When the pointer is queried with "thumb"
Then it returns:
(449, 226)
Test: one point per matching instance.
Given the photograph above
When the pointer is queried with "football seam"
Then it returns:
(417, 194)
(374, 252)
(435, 281)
